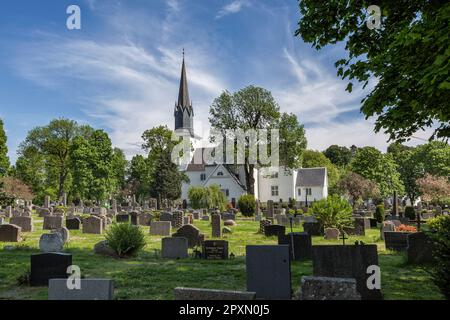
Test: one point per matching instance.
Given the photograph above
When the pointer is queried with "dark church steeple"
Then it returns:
(184, 113)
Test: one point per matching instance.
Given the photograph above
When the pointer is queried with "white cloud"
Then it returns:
(233, 7)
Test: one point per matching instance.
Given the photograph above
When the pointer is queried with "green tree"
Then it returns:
(339, 156)
(53, 142)
(139, 176)
(408, 55)
(4, 160)
(91, 164)
(378, 167)
(254, 108)
(197, 197)
(119, 168)
(164, 177)
(315, 159)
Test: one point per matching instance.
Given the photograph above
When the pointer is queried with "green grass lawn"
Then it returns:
(147, 276)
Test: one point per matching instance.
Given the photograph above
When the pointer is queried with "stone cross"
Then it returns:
(343, 238)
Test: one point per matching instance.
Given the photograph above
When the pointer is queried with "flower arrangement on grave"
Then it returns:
(405, 228)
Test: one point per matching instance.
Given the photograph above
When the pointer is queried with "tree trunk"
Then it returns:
(249, 179)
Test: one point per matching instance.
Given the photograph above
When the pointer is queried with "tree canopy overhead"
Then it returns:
(408, 56)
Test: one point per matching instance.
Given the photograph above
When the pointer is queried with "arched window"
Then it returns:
(220, 173)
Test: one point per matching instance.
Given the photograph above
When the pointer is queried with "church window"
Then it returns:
(274, 190)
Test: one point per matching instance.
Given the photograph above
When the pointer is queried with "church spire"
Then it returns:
(183, 95)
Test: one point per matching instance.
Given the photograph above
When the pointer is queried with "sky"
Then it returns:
(120, 72)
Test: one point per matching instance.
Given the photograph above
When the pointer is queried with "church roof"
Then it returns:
(311, 177)
(183, 94)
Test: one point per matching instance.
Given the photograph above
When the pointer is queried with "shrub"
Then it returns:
(410, 213)
(439, 233)
(333, 212)
(210, 197)
(247, 205)
(292, 203)
(379, 213)
(125, 239)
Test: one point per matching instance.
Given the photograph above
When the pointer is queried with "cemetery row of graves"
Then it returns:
(138, 252)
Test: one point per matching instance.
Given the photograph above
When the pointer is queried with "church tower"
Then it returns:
(184, 113)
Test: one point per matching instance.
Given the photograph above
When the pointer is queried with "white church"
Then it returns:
(305, 185)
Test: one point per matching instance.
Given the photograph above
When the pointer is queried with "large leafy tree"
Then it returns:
(53, 142)
(164, 177)
(139, 176)
(378, 167)
(91, 165)
(357, 188)
(254, 108)
(316, 159)
(434, 188)
(408, 55)
(4, 160)
(339, 156)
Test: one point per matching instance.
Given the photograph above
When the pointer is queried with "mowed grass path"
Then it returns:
(147, 276)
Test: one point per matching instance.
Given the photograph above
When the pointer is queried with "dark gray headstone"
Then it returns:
(215, 249)
(73, 223)
(10, 233)
(268, 271)
(327, 288)
(313, 228)
(350, 261)
(122, 218)
(192, 233)
(420, 248)
(395, 240)
(302, 245)
(174, 248)
(274, 230)
(45, 266)
(90, 289)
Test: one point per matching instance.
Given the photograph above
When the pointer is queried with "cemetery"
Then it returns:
(195, 260)
(306, 157)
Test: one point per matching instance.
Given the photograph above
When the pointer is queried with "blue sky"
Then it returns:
(120, 72)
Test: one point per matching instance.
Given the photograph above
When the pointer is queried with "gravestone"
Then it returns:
(197, 215)
(174, 248)
(42, 212)
(313, 228)
(228, 216)
(215, 250)
(2, 220)
(274, 230)
(373, 222)
(419, 248)
(211, 294)
(53, 222)
(123, 218)
(160, 228)
(186, 220)
(144, 219)
(263, 224)
(166, 216)
(93, 225)
(63, 232)
(349, 261)
(302, 245)
(47, 202)
(395, 240)
(10, 233)
(90, 289)
(192, 233)
(359, 227)
(177, 219)
(328, 288)
(268, 271)
(26, 223)
(51, 242)
(205, 218)
(386, 226)
(258, 217)
(134, 218)
(282, 220)
(216, 221)
(331, 234)
(46, 266)
(73, 223)
(270, 209)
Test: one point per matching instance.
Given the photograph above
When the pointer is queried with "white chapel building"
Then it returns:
(305, 185)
